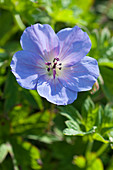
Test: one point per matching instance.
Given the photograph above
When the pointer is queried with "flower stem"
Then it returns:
(50, 118)
(101, 150)
(19, 22)
(89, 147)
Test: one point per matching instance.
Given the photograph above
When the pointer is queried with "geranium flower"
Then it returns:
(55, 65)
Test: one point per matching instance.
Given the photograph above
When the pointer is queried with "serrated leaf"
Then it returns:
(98, 137)
(72, 125)
(87, 107)
(72, 132)
(89, 113)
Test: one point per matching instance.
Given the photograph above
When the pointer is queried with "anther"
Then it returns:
(54, 66)
(48, 69)
(57, 59)
(48, 63)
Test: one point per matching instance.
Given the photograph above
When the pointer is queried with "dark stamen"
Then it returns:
(60, 68)
(57, 59)
(48, 63)
(54, 73)
(60, 64)
(48, 69)
(54, 66)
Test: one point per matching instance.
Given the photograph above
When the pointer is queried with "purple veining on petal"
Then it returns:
(55, 63)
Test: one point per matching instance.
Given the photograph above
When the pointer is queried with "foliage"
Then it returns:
(35, 134)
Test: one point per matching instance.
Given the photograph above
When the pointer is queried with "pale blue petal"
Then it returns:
(27, 67)
(54, 92)
(74, 45)
(40, 39)
(81, 76)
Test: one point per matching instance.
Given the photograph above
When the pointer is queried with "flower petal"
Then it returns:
(74, 45)
(40, 39)
(81, 76)
(26, 67)
(54, 92)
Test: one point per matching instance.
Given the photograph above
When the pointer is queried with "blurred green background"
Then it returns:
(35, 134)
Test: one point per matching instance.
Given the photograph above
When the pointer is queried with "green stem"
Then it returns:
(101, 150)
(12, 156)
(19, 22)
(89, 147)
(51, 117)
(97, 154)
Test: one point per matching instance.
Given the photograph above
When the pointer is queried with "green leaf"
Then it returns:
(61, 16)
(88, 163)
(105, 62)
(72, 132)
(106, 130)
(99, 118)
(108, 116)
(3, 55)
(46, 138)
(107, 73)
(93, 162)
(28, 154)
(7, 29)
(87, 107)
(71, 113)
(81, 5)
(11, 92)
(105, 35)
(26, 94)
(72, 125)
(33, 153)
(10, 150)
(89, 113)
(80, 161)
(37, 99)
(3, 152)
(98, 137)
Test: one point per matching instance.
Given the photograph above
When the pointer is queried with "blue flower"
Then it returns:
(55, 64)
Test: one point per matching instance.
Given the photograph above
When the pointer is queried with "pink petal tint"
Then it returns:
(55, 65)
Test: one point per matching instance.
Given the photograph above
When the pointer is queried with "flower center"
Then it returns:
(53, 67)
